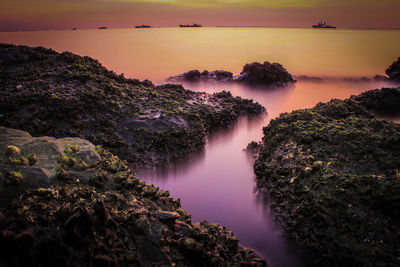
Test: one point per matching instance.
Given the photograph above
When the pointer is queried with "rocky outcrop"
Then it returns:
(30, 162)
(81, 206)
(253, 149)
(196, 75)
(394, 71)
(333, 175)
(385, 101)
(254, 73)
(62, 95)
(265, 74)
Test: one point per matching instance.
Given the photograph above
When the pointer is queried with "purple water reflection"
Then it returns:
(219, 184)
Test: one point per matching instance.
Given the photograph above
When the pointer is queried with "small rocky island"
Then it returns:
(392, 73)
(265, 74)
(333, 174)
(65, 95)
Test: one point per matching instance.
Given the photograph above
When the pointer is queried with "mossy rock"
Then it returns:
(331, 172)
(40, 159)
(109, 218)
(12, 178)
(12, 151)
(62, 95)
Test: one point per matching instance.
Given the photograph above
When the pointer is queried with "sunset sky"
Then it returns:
(66, 14)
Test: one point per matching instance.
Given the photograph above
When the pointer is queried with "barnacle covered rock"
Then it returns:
(332, 174)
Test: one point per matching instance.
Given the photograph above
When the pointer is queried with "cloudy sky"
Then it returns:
(66, 14)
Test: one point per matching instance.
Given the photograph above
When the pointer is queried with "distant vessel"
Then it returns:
(190, 25)
(74, 29)
(142, 26)
(323, 25)
(102, 28)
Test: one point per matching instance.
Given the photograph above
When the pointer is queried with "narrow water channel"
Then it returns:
(218, 184)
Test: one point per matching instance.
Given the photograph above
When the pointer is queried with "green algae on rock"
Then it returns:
(102, 215)
(43, 157)
(62, 94)
(266, 73)
(332, 174)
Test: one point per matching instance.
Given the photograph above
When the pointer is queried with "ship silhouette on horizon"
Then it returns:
(323, 25)
(142, 26)
(190, 25)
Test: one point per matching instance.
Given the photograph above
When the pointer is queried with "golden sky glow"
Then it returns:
(64, 14)
(242, 3)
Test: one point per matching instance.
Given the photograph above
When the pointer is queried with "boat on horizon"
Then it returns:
(102, 28)
(323, 25)
(142, 26)
(190, 25)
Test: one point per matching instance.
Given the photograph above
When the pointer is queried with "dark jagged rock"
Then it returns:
(195, 76)
(385, 101)
(192, 75)
(62, 94)
(253, 149)
(394, 71)
(102, 215)
(265, 74)
(332, 172)
(220, 75)
(253, 73)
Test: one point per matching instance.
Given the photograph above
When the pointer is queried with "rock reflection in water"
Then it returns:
(219, 184)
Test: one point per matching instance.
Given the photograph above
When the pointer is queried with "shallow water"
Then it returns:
(218, 183)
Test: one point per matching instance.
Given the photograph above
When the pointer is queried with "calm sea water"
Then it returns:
(218, 184)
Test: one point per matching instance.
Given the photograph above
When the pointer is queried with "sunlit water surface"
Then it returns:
(218, 184)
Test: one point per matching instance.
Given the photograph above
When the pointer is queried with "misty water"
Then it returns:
(218, 184)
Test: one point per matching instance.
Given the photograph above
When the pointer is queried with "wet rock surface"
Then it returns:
(111, 218)
(267, 74)
(31, 162)
(333, 175)
(65, 95)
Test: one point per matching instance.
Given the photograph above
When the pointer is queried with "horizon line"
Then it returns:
(216, 26)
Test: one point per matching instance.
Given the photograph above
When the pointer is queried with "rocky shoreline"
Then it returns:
(65, 95)
(69, 202)
(332, 172)
(71, 131)
(258, 74)
(78, 205)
